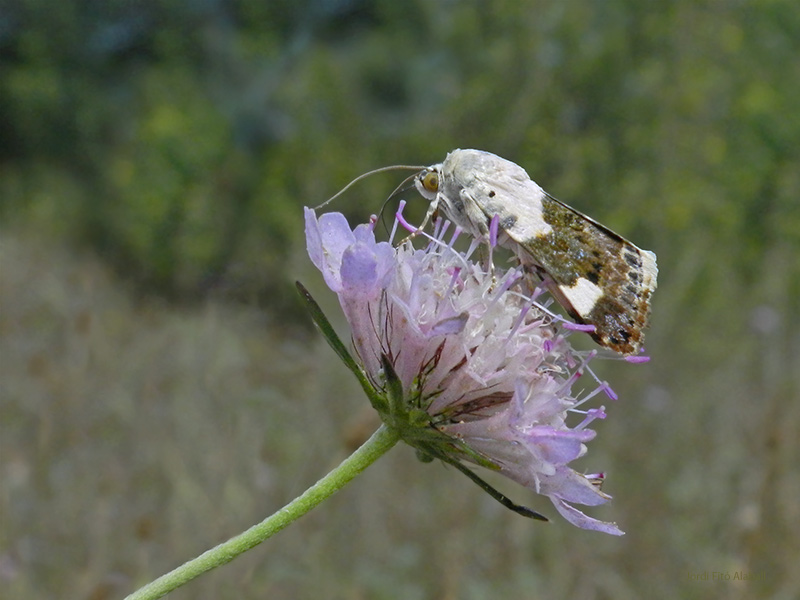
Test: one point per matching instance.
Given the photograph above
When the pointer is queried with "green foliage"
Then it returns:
(190, 134)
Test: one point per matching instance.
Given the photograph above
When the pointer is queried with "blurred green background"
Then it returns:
(160, 386)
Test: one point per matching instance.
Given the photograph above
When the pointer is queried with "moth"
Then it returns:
(600, 278)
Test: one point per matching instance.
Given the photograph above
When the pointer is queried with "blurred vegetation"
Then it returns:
(178, 140)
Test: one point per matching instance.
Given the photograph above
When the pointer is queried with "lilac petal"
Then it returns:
(385, 262)
(359, 269)
(451, 326)
(326, 240)
(573, 487)
(313, 238)
(336, 235)
(535, 404)
(364, 233)
(577, 518)
(556, 446)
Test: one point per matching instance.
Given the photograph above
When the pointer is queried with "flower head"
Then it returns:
(464, 363)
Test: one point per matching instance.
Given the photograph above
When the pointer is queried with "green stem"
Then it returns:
(377, 445)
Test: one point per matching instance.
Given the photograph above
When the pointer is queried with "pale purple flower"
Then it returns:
(490, 367)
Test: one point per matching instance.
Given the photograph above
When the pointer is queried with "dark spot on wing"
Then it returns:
(508, 222)
(491, 194)
(633, 259)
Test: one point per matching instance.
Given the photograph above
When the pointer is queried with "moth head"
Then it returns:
(427, 182)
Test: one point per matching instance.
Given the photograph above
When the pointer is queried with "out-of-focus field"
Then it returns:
(135, 435)
(161, 389)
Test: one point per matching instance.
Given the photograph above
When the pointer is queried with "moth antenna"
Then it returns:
(400, 188)
(367, 174)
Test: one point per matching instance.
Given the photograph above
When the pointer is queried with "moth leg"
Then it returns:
(432, 208)
(471, 217)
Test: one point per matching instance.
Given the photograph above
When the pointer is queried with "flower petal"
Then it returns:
(572, 487)
(577, 518)
(326, 240)
(359, 270)
(558, 446)
(313, 238)
(450, 326)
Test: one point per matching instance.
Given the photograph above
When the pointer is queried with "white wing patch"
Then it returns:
(527, 221)
(649, 270)
(582, 296)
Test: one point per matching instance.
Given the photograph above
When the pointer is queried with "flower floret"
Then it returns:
(489, 367)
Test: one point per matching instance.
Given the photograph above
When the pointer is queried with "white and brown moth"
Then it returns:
(600, 278)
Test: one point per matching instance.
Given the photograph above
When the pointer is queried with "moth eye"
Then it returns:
(431, 182)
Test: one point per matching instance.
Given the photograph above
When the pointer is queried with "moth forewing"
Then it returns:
(600, 278)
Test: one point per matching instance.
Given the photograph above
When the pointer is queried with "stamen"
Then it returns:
(456, 232)
(567, 384)
(400, 208)
(436, 224)
(578, 326)
(591, 415)
(440, 228)
(493, 226)
(609, 392)
(636, 359)
(550, 313)
(592, 394)
(519, 321)
(602, 385)
(456, 276)
(401, 219)
(435, 242)
(473, 246)
(596, 479)
(505, 284)
(537, 291)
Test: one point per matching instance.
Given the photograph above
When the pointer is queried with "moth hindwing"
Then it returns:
(599, 277)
